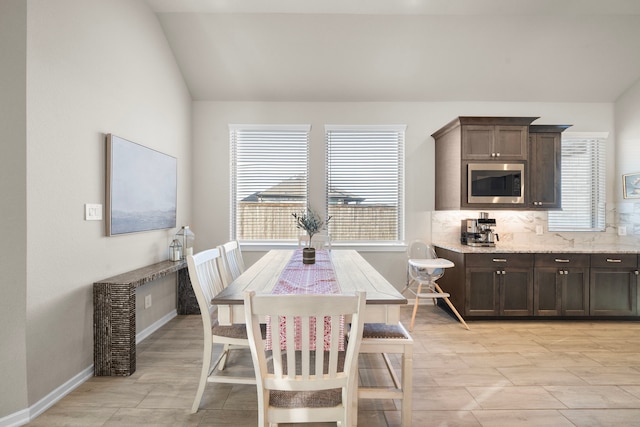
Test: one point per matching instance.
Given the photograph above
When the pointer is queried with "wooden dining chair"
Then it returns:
(232, 264)
(206, 281)
(298, 383)
(384, 339)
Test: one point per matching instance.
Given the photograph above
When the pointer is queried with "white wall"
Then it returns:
(92, 68)
(211, 152)
(627, 114)
(13, 206)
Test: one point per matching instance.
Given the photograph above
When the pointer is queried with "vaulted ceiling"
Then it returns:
(404, 50)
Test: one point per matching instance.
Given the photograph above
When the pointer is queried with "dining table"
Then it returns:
(352, 273)
(282, 271)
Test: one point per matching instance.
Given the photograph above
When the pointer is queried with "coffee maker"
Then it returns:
(478, 231)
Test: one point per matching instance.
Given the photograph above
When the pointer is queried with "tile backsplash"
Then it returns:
(518, 228)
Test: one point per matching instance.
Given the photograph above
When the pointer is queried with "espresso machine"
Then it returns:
(478, 231)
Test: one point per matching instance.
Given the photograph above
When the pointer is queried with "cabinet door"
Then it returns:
(477, 142)
(510, 143)
(544, 170)
(516, 292)
(575, 292)
(613, 292)
(561, 292)
(547, 292)
(482, 295)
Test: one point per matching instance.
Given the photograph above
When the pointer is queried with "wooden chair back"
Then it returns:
(300, 383)
(232, 264)
(204, 272)
(319, 241)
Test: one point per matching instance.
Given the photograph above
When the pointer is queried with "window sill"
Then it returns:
(360, 247)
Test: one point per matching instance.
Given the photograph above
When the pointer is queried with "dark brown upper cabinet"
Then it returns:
(545, 166)
(475, 139)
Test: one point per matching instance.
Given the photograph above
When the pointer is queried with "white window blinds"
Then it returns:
(365, 182)
(583, 185)
(269, 174)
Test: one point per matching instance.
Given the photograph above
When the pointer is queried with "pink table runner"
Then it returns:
(299, 278)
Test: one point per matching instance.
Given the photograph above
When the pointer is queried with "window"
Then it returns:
(268, 180)
(365, 176)
(583, 185)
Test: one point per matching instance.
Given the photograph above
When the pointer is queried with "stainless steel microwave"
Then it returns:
(495, 183)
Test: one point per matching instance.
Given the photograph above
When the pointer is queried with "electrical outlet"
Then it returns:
(622, 230)
(147, 301)
(92, 212)
(539, 230)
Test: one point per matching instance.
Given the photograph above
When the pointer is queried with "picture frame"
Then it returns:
(631, 185)
(142, 184)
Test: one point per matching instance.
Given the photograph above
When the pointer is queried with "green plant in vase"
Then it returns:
(311, 223)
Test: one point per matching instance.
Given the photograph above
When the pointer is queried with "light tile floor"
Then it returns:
(500, 373)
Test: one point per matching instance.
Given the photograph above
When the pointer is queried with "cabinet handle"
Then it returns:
(498, 272)
(636, 272)
(493, 154)
(561, 260)
(613, 260)
(499, 260)
(497, 154)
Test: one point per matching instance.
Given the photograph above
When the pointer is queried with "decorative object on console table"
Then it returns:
(311, 223)
(175, 250)
(186, 237)
(631, 185)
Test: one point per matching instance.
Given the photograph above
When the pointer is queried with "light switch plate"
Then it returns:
(622, 230)
(539, 230)
(92, 212)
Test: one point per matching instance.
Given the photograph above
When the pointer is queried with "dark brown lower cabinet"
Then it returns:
(614, 285)
(561, 285)
(542, 284)
(499, 285)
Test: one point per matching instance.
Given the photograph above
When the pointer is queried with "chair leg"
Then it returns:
(352, 410)
(407, 385)
(415, 307)
(222, 361)
(204, 374)
(439, 289)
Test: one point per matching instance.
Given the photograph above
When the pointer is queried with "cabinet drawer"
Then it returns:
(614, 261)
(562, 260)
(499, 260)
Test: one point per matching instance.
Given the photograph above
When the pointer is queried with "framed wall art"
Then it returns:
(631, 186)
(141, 188)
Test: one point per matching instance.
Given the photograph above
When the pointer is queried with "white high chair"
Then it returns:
(424, 267)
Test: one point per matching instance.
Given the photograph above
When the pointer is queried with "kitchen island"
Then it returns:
(585, 282)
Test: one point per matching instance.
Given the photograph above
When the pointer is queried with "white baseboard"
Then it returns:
(140, 336)
(24, 416)
(60, 392)
(16, 419)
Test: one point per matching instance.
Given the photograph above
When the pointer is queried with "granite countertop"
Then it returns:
(504, 248)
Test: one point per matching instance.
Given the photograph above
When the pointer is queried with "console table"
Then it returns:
(114, 314)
